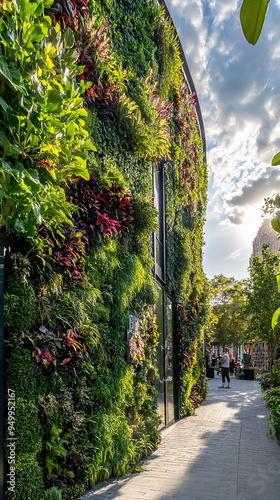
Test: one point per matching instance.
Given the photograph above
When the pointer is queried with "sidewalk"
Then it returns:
(221, 453)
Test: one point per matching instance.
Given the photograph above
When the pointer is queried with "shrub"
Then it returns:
(240, 374)
(53, 494)
(264, 380)
(29, 478)
(272, 399)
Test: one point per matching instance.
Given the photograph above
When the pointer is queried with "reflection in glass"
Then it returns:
(160, 356)
(158, 200)
(169, 362)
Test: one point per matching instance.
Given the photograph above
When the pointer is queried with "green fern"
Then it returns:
(55, 449)
(53, 494)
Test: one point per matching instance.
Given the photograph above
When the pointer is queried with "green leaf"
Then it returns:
(81, 171)
(70, 57)
(88, 145)
(278, 278)
(11, 75)
(275, 318)
(70, 131)
(82, 112)
(46, 22)
(25, 8)
(39, 10)
(47, 3)
(69, 38)
(19, 225)
(276, 160)
(14, 149)
(6, 167)
(3, 104)
(54, 97)
(276, 224)
(252, 16)
(33, 140)
(2, 138)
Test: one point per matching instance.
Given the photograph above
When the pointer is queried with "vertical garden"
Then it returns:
(93, 102)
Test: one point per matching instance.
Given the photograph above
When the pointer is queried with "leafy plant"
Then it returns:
(59, 349)
(42, 144)
(264, 380)
(68, 13)
(29, 484)
(102, 210)
(136, 346)
(272, 399)
(55, 453)
(64, 247)
(168, 55)
(192, 379)
(53, 494)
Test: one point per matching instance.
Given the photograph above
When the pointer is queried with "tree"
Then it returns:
(263, 299)
(228, 300)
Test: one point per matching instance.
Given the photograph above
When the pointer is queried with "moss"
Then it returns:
(29, 479)
(21, 379)
(19, 305)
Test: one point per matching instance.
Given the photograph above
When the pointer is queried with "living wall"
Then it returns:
(92, 98)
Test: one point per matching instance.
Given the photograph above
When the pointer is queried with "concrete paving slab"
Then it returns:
(221, 453)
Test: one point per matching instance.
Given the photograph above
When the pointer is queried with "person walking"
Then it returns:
(225, 369)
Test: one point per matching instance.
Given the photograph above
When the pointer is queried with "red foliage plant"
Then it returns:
(68, 13)
(185, 109)
(197, 390)
(187, 176)
(59, 349)
(187, 321)
(64, 248)
(102, 210)
(95, 47)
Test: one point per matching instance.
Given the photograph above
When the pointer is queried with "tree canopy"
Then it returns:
(228, 300)
(263, 300)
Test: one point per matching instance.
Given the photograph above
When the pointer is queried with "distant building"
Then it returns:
(266, 234)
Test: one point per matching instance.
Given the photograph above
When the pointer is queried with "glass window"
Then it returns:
(169, 362)
(160, 385)
(159, 234)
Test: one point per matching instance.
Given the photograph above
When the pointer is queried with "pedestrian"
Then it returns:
(225, 369)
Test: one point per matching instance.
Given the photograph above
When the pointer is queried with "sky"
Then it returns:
(238, 87)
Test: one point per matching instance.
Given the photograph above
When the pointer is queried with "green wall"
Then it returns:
(92, 99)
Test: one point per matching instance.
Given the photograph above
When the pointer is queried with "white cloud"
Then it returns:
(238, 88)
(235, 254)
(222, 10)
(255, 192)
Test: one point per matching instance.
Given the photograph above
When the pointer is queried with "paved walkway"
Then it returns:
(221, 453)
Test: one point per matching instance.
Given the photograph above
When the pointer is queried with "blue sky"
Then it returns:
(238, 87)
